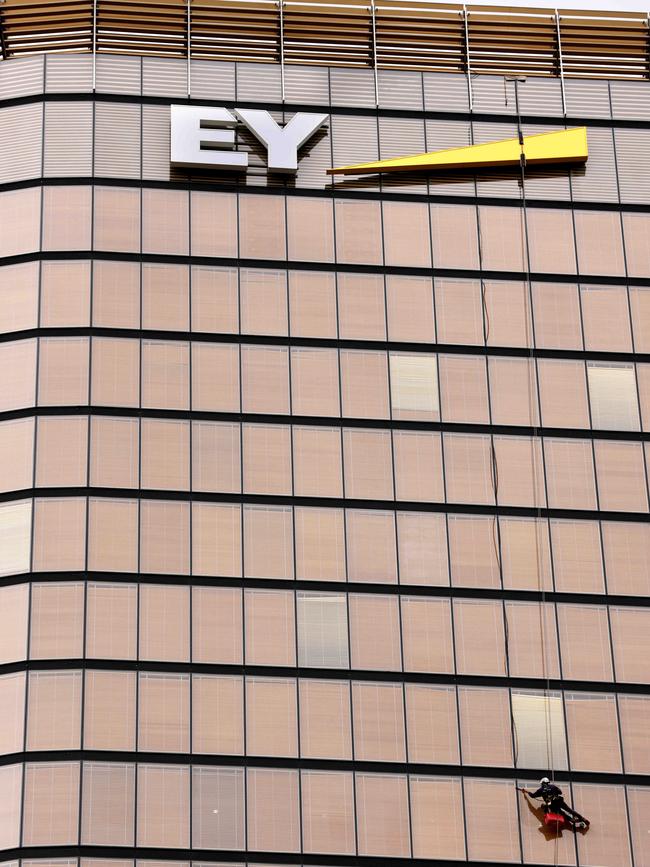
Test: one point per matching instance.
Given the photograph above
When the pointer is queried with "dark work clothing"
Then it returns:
(555, 803)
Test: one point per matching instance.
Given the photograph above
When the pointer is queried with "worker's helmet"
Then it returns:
(544, 781)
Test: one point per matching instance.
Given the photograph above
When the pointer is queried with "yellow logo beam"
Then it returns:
(566, 146)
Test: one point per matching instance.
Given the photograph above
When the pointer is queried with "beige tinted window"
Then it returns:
(503, 246)
(627, 557)
(557, 315)
(479, 637)
(271, 717)
(485, 733)
(51, 798)
(63, 371)
(165, 221)
(112, 627)
(18, 296)
(165, 297)
(361, 306)
(427, 634)
(56, 621)
(16, 454)
(267, 459)
(15, 535)
(418, 466)
(577, 558)
(263, 301)
(164, 537)
(217, 624)
(65, 294)
(513, 391)
(165, 374)
(468, 465)
(270, 627)
(312, 304)
(459, 311)
(310, 229)
(62, 456)
(216, 539)
(113, 535)
(464, 389)
(108, 809)
(67, 220)
(218, 808)
(59, 535)
(163, 712)
(109, 710)
(358, 232)
(432, 724)
(216, 457)
(115, 372)
(12, 726)
(507, 313)
(409, 301)
(473, 551)
(605, 806)
(563, 393)
(20, 212)
(437, 818)
(165, 446)
(18, 385)
(315, 381)
(630, 640)
(382, 815)
(163, 806)
(421, 539)
(372, 546)
(525, 553)
(214, 223)
(454, 236)
(320, 544)
(368, 464)
(114, 454)
(54, 717)
(116, 294)
(364, 384)
(317, 468)
(595, 714)
(485, 842)
(372, 616)
(550, 239)
(328, 812)
(215, 377)
(407, 238)
(325, 719)
(378, 718)
(613, 396)
(217, 715)
(532, 642)
(268, 542)
(569, 474)
(164, 623)
(606, 318)
(262, 227)
(117, 219)
(11, 778)
(215, 299)
(265, 379)
(600, 244)
(584, 639)
(273, 812)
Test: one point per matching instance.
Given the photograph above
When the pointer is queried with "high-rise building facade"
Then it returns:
(324, 514)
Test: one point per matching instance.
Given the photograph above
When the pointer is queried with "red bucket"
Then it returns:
(554, 821)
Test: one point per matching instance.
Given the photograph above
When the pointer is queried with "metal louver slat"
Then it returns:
(633, 161)
(354, 140)
(542, 183)
(596, 180)
(21, 77)
(441, 134)
(307, 85)
(587, 98)
(119, 74)
(354, 87)
(212, 79)
(155, 142)
(21, 128)
(68, 139)
(400, 89)
(444, 91)
(630, 99)
(164, 76)
(397, 137)
(258, 82)
(117, 140)
(68, 73)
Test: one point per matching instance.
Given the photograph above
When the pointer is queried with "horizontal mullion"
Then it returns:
(325, 502)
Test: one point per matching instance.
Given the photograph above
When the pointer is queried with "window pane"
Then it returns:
(468, 462)
(11, 777)
(215, 299)
(165, 374)
(532, 639)
(16, 454)
(164, 623)
(214, 223)
(216, 539)
(432, 724)
(409, 301)
(557, 315)
(217, 808)
(263, 301)
(267, 459)
(56, 621)
(502, 238)
(422, 544)
(507, 313)
(378, 715)
(630, 641)
(262, 227)
(115, 372)
(364, 384)
(627, 557)
(513, 391)
(463, 389)
(605, 807)
(217, 715)
(271, 717)
(538, 721)
(116, 294)
(612, 392)
(268, 542)
(427, 635)
(459, 311)
(65, 294)
(454, 236)
(114, 455)
(479, 637)
(361, 306)
(606, 318)
(374, 632)
(358, 232)
(418, 466)
(315, 382)
(215, 377)
(322, 630)
(217, 625)
(328, 812)
(473, 550)
(111, 621)
(592, 727)
(14, 613)
(550, 239)
(62, 457)
(59, 535)
(634, 715)
(270, 627)
(406, 234)
(12, 723)
(163, 806)
(20, 215)
(371, 543)
(54, 719)
(414, 387)
(18, 384)
(310, 229)
(325, 721)
(18, 296)
(15, 537)
(108, 810)
(487, 841)
(368, 464)
(320, 544)
(485, 732)
(584, 639)
(577, 558)
(164, 537)
(165, 447)
(165, 221)
(600, 245)
(639, 807)
(51, 813)
(265, 379)
(563, 393)
(312, 304)
(67, 218)
(382, 815)
(437, 817)
(570, 474)
(273, 810)
(63, 371)
(165, 297)
(109, 710)
(163, 712)
(117, 219)
(620, 469)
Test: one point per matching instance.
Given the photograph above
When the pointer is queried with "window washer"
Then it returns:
(555, 803)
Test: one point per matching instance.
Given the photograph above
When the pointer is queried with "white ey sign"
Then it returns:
(204, 137)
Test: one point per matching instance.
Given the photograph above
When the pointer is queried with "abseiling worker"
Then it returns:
(555, 803)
